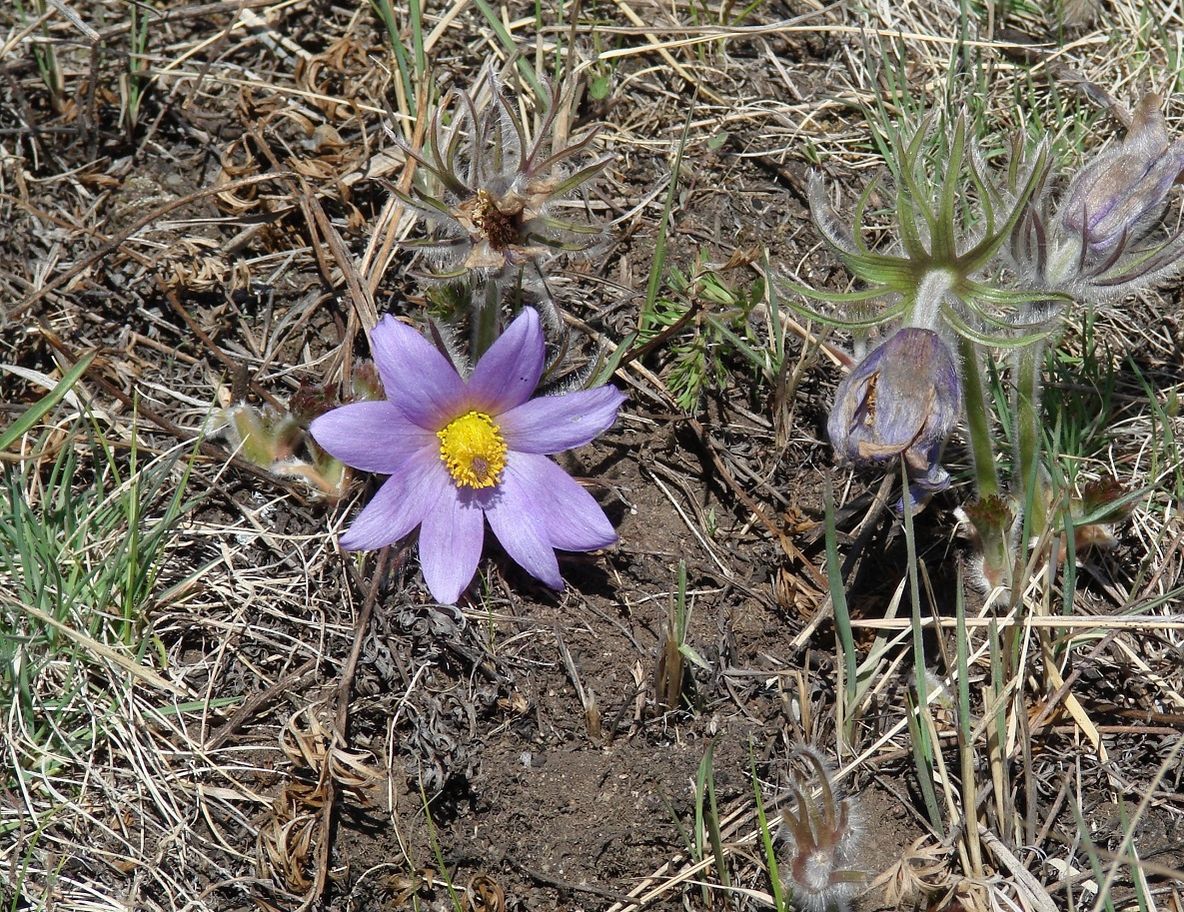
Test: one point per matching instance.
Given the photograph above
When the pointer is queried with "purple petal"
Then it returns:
(400, 504)
(450, 543)
(372, 436)
(508, 373)
(419, 381)
(517, 519)
(552, 424)
(573, 519)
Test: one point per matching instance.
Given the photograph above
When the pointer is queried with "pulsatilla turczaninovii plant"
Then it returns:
(491, 195)
(984, 264)
(938, 286)
(461, 452)
(821, 839)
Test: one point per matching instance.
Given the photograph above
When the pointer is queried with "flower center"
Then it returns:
(473, 450)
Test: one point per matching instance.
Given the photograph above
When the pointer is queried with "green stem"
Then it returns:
(978, 420)
(1027, 438)
(485, 322)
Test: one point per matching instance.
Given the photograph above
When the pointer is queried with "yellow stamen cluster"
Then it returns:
(473, 450)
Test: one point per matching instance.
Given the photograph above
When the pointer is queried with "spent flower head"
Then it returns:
(903, 399)
(461, 452)
(491, 195)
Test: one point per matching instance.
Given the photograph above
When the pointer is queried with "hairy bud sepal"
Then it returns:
(1122, 192)
(1103, 241)
(820, 831)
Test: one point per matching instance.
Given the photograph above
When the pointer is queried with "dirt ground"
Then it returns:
(338, 740)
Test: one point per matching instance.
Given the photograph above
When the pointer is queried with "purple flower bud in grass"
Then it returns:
(461, 452)
(903, 399)
(1120, 194)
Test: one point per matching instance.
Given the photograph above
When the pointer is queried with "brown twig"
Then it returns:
(341, 724)
(231, 364)
(318, 222)
(568, 885)
(255, 702)
(792, 551)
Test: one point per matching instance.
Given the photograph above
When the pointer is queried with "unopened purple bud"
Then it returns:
(903, 399)
(1120, 193)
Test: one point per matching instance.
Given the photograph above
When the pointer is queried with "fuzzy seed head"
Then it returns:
(821, 837)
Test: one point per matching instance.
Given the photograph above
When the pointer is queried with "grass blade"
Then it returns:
(43, 405)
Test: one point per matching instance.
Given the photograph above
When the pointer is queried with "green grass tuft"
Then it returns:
(81, 546)
(704, 324)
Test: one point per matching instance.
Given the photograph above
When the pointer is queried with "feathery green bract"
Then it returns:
(947, 260)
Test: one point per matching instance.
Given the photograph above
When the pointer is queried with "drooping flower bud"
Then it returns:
(1119, 195)
(903, 399)
(821, 836)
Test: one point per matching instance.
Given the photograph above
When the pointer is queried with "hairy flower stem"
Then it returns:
(978, 420)
(1029, 480)
(484, 322)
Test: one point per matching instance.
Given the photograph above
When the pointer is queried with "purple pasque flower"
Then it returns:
(1119, 195)
(903, 399)
(461, 452)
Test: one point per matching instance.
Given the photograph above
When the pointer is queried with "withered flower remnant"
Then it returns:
(274, 440)
(491, 196)
(903, 399)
